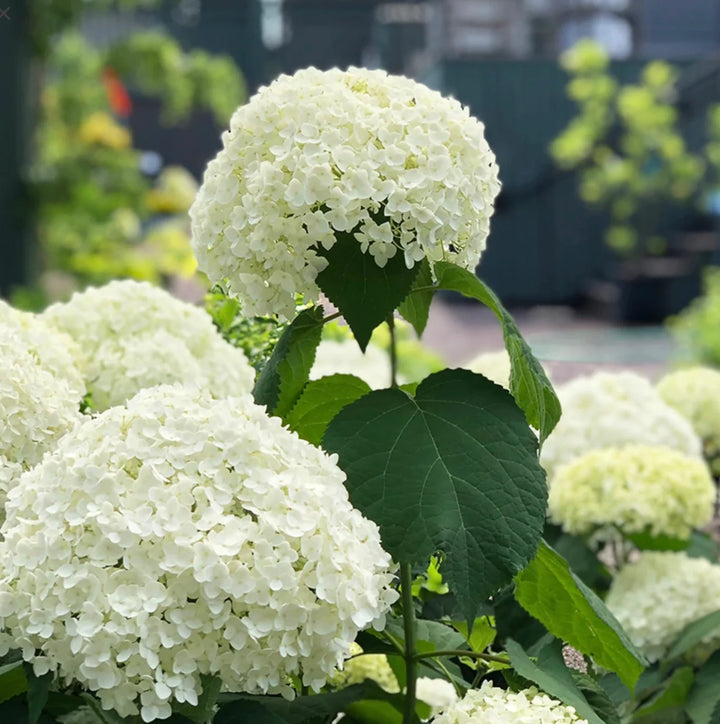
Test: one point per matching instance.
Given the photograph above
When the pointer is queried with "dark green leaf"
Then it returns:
(12, 680)
(582, 561)
(320, 401)
(597, 697)
(552, 676)
(647, 542)
(550, 592)
(703, 545)
(529, 384)
(202, 713)
(365, 294)
(453, 469)
(668, 704)
(372, 712)
(288, 369)
(106, 716)
(246, 709)
(703, 702)
(693, 634)
(38, 688)
(415, 308)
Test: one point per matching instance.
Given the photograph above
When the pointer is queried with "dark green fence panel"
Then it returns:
(16, 94)
(545, 244)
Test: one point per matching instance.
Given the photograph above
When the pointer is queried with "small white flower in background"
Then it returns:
(695, 394)
(382, 157)
(53, 350)
(438, 694)
(133, 335)
(636, 488)
(614, 409)
(37, 404)
(491, 705)
(657, 596)
(181, 535)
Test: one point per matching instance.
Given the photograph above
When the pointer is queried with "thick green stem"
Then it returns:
(393, 352)
(410, 653)
(499, 658)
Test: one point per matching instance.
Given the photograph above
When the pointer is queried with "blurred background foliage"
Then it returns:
(104, 208)
(631, 158)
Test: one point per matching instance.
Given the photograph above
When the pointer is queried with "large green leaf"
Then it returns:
(320, 401)
(38, 688)
(703, 702)
(12, 680)
(694, 633)
(552, 676)
(529, 384)
(548, 590)
(453, 469)
(415, 308)
(364, 293)
(597, 697)
(288, 369)
(246, 709)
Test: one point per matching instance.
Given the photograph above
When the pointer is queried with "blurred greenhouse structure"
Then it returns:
(500, 57)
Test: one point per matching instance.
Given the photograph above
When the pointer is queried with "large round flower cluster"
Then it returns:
(636, 488)
(492, 705)
(181, 535)
(695, 394)
(53, 350)
(134, 335)
(614, 409)
(36, 406)
(661, 593)
(380, 157)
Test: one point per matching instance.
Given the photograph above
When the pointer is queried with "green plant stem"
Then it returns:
(411, 656)
(330, 317)
(499, 658)
(393, 352)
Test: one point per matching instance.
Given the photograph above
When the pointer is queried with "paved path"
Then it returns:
(568, 342)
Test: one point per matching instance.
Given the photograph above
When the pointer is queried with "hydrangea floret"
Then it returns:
(638, 488)
(37, 406)
(53, 350)
(492, 705)
(319, 154)
(695, 393)
(658, 595)
(614, 409)
(181, 535)
(134, 335)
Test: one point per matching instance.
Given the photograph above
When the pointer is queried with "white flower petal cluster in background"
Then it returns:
(492, 705)
(493, 365)
(695, 393)
(657, 596)
(334, 356)
(181, 535)
(636, 488)
(37, 406)
(613, 409)
(53, 350)
(134, 335)
(381, 158)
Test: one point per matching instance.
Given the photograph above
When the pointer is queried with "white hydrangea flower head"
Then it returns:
(54, 350)
(181, 535)
(36, 406)
(438, 694)
(695, 393)
(492, 705)
(321, 153)
(365, 666)
(658, 595)
(635, 488)
(134, 335)
(614, 409)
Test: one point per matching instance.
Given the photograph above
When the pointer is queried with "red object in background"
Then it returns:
(118, 97)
